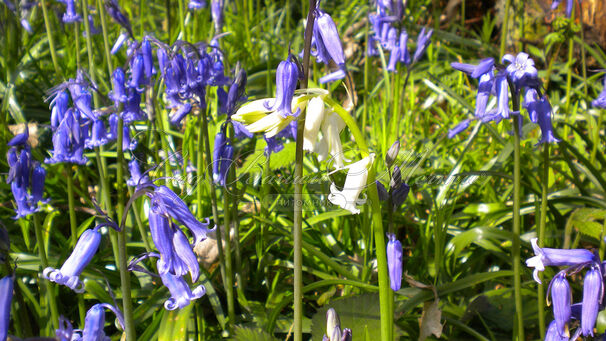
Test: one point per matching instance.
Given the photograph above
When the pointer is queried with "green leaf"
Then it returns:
(174, 324)
(249, 334)
(584, 220)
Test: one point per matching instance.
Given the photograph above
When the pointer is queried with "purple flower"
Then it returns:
(132, 107)
(19, 139)
(37, 190)
(136, 177)
(553, 334)
(99, 135)
(148, 61)
(119, 42)
(176, 253)
(59, 106)
(83, 253)
(222, 158)
(95, 321)
(65, 331)
(196, 5)
(423, 41)
(6, 296)
(287, 76)
(169, 203)
(137, 77)
(485, 66)
(181, 294)
(556, 257)
(600, 102)
(569, 4)
(521, 70)
(593, 293)
(458, 128)
(82, 99)
(118, 94)
(70, 14)
(403, 48)
(180, 113)
(561, 297)
(216, 12)
(394, 261)
(114, 11)
(502, 89)
(328, 45)
(68, 142)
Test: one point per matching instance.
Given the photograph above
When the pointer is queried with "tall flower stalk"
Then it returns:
(541, 233)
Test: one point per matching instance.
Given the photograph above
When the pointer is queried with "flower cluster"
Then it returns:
(385, 25)
(326, 45)
(564, 311)
(93, 324)
(25, 175)
(517, 77)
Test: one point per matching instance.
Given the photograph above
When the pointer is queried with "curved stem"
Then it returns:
(129, 323)
(542, 222)
(52, 302)
(515, 248)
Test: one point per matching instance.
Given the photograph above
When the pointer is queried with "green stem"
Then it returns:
(505, 28)
(70, 202)
(44, 262)
(129, 322)
(77, 45)
(49, 36)
(106, 46)
(569, 81)
(229, 286)
(542, 222)
(515, 248)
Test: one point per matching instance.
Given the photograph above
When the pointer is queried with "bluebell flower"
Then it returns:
(484, 72)
(37, 189)
(423, 41)
(122, 38)
(137, 78)
(348, 197)
(93, 29)
(600, 102)
(148, 61)
(132, 107)
(179, 114)
(176, 253)
(68, 142)
(556, 257)
(561, 298)
(593, 293)
(403, 47)
(521, 70)
(222, 157)
(328, 45)
(169, 203)
(11, 7)
(70, 14)
(502, 88)
(196, 4)
(98, 136)
(394, 261)
(136, 177)
(458, 128)
(65, 331)
(118, 94)
(19, 139)
(27, 193)
(59, 106)
(95, 321)
(81, 98)
(114, 11)
(69, 274)
(553, 334)
(6, 296)
(181, 294)
(216, 12)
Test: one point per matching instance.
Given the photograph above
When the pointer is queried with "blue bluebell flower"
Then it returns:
(148, 61)
(19, 139)
(136, 176)
(65, 331)
(394, 261)
(68, 142)
(27, 193)
(69, 274)
(328, 45)
(37, 189)
(557, 257)
(600, 102)
(118, 94)
(6, 296)
(95, 321)
(93, 29)
(195, 5)
(521, 70)
(553, 334)
(114, 11)
(423, 41)
(81, 98)
(593, 293)
(484, 71)
(502, 89)
(216, 12)
(170, 204)
(176, 253)
(122, 38)
(181, 294)
(98, 135)
(458, 128)
(132, 107)
(137, 78)
(59, 106)
(561, 297)
(569, 4)
(70, 14)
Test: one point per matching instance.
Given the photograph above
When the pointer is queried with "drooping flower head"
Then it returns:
(394, 261)
(561, 298)
(95, 321)
(6, 296)
(593, 293)
(556, 257)
(181, 294)
(355, 182)
(521, 70)
(70, 14)
(328, 45)
(600, 102)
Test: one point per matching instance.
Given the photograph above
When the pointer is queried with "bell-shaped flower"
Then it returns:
(543, 113)
(593, 293)
(82, 99)
(114, 11)
(132, 107)
(394, 261)
(122, 38)
(553, 334)
(181, 294)
(169, 203)
(136, 177)
(98, 136)
(95, 321)
(502, 88)
(70, 14)
(6, 296)
(569, 5)
(521, 70)
(561, 298)
(59, 106)
(176, 253)
(287, 76)
(19, 139)
(223, 154)
(179, 113)
(330, 143)
(137, 77)
(216, 12)
(148, 61)
(118, 94)
(65, 331)
(556, 257)
(313, 121)
(403, 48)
(600, 102)
(69, 274)
(37, 190)
(458, 128)
(423, 41)
(195, 5)
(355, 182)
(333, 323)
(328, 45)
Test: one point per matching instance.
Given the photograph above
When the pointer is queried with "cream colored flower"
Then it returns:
(355, 182)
